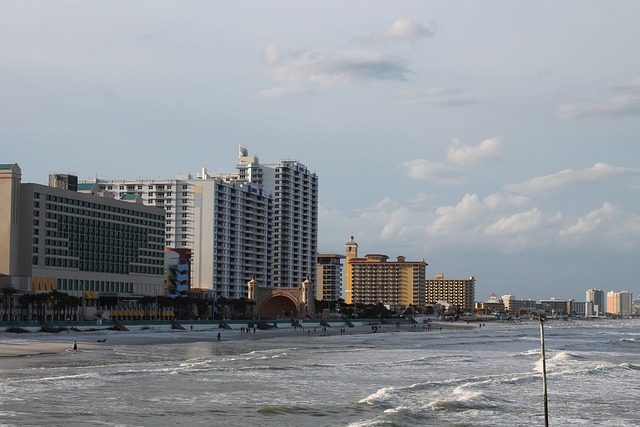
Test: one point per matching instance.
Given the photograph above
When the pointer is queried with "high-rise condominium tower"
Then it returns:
(260, 222)
(295, 215)
(595, 302)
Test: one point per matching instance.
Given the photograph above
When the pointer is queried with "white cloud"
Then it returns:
(419, 198)
(633, 86)
(516, 232)
(328, 68)
(400, 223)
(521, 222)
(440, 97)
(626, 104)
(279, 91)
(271, 54)
(403, 30)
(464, 154)
(424, 170)
(548, 183)
(499, 201)
(616, 106)
(458, 154)
(455, 220)
(590, 222)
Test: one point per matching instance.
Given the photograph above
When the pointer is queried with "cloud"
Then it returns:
(440, 97)
(279, 91)
(398, 224)
(548, 183)
(403, 30)
(453, 220)
(590, 222)
(424, 170)
(271, 54)
(626, 104)
(517, 223)
(633, 86)
(617, 106)
(419, 198)
(458, 154)
(328, 68)
(499, 201)
(461, 155)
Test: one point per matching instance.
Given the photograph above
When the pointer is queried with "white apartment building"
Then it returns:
(295, 220)
(231, 235)
(172, 195)
(261, 221)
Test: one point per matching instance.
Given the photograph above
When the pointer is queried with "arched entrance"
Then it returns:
(279, 306)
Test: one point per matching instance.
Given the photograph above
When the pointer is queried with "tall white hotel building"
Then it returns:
(260, 222)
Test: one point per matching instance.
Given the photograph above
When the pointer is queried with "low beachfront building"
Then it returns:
(458, 292)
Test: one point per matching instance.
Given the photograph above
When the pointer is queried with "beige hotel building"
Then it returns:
(458, 292)
(374, 279)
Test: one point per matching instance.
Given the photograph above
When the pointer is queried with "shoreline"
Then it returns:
(15, 345)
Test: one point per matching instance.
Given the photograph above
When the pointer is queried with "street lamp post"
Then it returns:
(544, 372)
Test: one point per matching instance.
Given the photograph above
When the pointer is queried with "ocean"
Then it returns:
(479, 376)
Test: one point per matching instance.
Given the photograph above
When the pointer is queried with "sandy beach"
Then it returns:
(35, 343)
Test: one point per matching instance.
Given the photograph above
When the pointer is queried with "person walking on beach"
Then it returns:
(75, 347)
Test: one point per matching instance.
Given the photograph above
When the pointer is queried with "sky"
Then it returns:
(494, 139)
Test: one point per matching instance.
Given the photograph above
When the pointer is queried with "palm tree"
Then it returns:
(41, 300)
(7, 296)
(146, 303)
(26, 301)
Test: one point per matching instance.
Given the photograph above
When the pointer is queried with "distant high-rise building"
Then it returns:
(626, 303)
(595, 302)
(613, 302)
(329, 283)
(619, 303)
(458, 292)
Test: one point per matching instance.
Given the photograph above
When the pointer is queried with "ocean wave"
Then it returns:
(528, 353)
(630, 366)
(462, 398)
(290, 410)
(379, 395)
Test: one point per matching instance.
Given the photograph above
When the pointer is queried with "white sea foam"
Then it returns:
(369, 380)
(379, 395)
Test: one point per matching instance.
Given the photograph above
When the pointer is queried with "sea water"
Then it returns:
(480, 376)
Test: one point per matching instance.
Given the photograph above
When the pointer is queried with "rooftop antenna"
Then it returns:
(544, 371)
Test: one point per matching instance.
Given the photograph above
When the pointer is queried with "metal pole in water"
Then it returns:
(544, 372)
